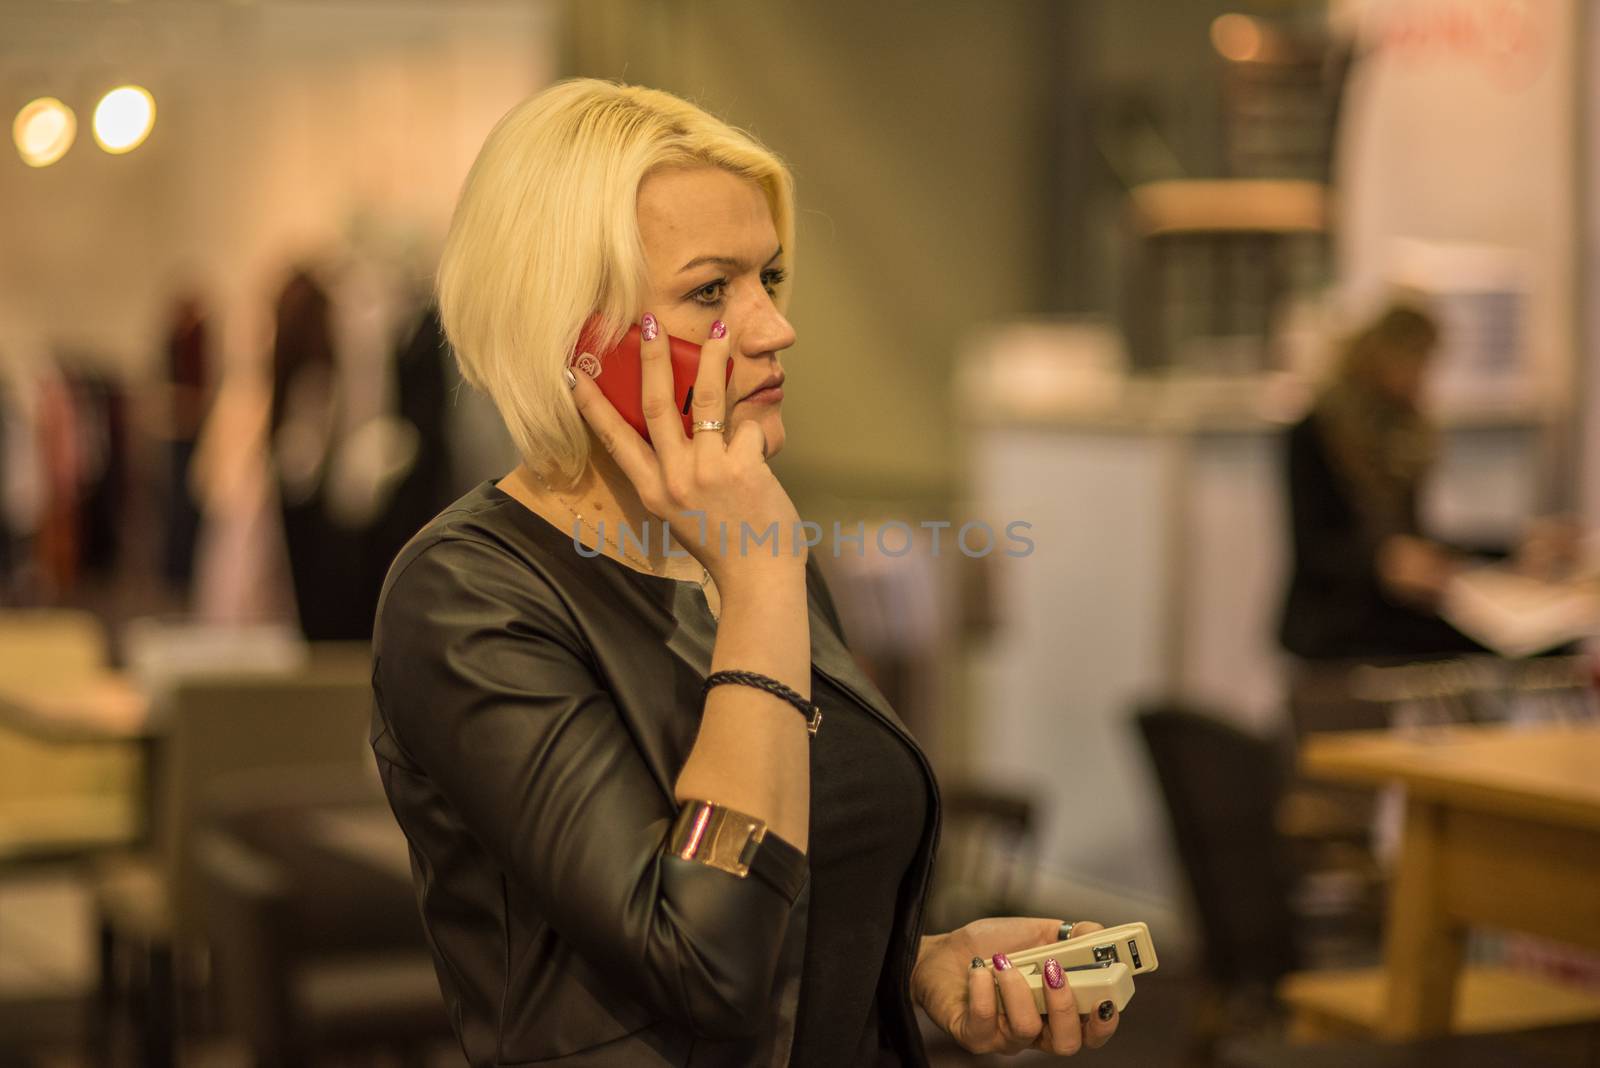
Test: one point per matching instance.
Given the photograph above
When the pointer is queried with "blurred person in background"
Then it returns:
(616, 864)
(1367, 580)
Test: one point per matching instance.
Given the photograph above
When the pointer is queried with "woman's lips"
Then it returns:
(770, 395)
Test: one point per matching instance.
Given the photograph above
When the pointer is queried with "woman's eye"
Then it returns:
(710, 293)
(714, 292)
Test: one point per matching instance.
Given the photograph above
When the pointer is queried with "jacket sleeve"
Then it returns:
(488, 688)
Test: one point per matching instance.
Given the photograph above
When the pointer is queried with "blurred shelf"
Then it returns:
(1180, 403)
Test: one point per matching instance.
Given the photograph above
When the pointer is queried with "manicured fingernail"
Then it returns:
(719, 329)
(977, 962)
(1106, 1009)
(1054, 977)
(1000, 962)
(569, 378)
(648, 328)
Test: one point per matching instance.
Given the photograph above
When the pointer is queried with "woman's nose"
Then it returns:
(766, 329)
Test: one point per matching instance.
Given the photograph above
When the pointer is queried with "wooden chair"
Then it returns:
(316, 940)
(60, 800)
(223, 728)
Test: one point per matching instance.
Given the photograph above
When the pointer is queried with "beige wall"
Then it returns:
(276, 121)
(913, 130)
(1456, 134)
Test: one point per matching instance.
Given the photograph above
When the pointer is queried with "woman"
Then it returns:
(613, 865)
(1366, 581)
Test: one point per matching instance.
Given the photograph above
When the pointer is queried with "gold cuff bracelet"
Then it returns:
(716, 835)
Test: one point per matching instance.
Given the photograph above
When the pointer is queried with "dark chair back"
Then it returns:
(987, 856)
(1221, 786)
(237, 733)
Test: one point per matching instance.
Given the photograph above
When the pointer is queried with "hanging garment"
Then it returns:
(188, 364)
(241, 570)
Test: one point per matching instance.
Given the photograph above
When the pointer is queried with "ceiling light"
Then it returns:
(43, 131)
(123, 118)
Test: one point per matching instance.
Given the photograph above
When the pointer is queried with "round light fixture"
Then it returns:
(1236, 37)
(43, 131)
(123, 118)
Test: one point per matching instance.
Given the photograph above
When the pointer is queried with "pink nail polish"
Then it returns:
(1000, 962)
(718, 330)
(1054, 977)
(648, 328)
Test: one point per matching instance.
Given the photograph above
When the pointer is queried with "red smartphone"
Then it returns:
(618, 376)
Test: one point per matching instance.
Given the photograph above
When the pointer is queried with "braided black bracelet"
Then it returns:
(812, 713)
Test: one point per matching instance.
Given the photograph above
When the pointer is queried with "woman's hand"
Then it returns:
(1551, 547)
(704, 485)
(1415, 570)
(963, 999)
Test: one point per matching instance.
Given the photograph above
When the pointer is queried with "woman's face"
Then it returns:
(711, 252)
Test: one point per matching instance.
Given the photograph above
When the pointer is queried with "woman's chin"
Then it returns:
(773, 425)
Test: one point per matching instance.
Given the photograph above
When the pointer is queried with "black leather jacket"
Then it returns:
(532, 711)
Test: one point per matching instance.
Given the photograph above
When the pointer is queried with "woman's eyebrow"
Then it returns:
(732, 263)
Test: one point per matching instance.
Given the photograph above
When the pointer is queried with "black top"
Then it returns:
(1336, 606)
(533, 710)
(868, 806)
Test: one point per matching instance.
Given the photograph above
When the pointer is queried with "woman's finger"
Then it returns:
(1063, 1032)
(749, 441)
(710, 399)
(1100, 1024)
(981, 1026)
(657, 395)
(631, 452)
(1083, 927)
(1023, 1021)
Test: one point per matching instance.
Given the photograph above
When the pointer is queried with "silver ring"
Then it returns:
(708, 424)
(1065, 931)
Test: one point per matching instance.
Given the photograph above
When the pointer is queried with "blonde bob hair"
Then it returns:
(545, 235)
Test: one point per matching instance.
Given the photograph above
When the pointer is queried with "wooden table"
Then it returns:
(1502, 830)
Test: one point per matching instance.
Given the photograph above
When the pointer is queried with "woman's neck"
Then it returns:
(605, 495)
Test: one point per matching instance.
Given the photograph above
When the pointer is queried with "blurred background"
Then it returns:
(1260, 333)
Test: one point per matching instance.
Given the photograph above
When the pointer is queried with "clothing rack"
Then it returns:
(64, 471)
